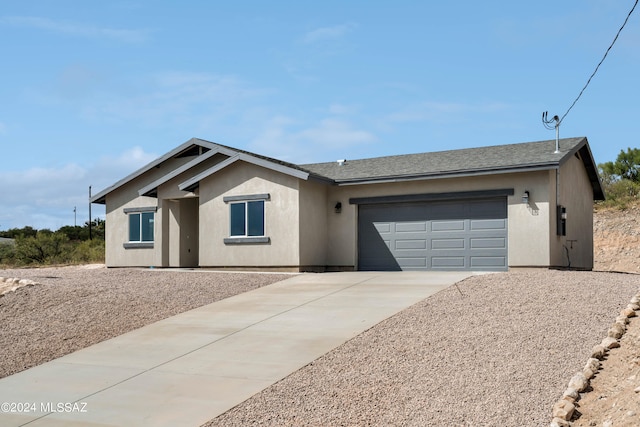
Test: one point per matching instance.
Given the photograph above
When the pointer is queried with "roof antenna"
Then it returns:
(548, 124)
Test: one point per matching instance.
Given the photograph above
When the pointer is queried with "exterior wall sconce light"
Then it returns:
(525, 197)
(338, 207)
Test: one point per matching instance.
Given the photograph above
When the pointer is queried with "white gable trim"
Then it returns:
(191, 183)
(155, 184)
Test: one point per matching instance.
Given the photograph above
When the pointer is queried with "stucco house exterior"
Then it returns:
(484, 209)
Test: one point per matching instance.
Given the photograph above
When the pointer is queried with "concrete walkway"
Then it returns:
(190, 368)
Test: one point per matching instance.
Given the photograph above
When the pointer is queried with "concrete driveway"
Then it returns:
(190, 368)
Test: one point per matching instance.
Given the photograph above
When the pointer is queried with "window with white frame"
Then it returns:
(141, 226)
(247, 219)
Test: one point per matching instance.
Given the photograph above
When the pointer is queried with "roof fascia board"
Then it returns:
(189, 184)
(99, 197)
(592, 172)
(576, 148)
(582, 148)
(385, 180)
(155, 184)
(274, 166)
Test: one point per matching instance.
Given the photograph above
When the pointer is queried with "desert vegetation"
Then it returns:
(621, 179)
(28, 246)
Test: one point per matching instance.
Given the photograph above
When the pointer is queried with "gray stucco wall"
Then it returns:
(576, 194)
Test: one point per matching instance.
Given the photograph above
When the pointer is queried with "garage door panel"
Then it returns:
(411, 244)
(486, 243)
(412, 262)
(484, 262)
(458, 235)
(382, 227)
(488, 224)
(447, 226)
(447, 262)
(411, 227)
(447, 244)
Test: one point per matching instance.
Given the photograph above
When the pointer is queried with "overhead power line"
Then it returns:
(555, 118)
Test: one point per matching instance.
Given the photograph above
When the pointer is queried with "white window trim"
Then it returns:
(140, 244)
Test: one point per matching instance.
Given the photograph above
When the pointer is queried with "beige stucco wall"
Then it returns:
(576, 194)
(305, 231)
(528, 225)
(180, 233)
(281, 218)
(117, 222)
(314, 211)
(126, 196)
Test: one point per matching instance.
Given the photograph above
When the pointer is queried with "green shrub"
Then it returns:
(88, 251)
(7, 254)
(45, 248)
(620, 192)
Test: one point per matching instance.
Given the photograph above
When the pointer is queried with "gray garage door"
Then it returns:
(447, 235)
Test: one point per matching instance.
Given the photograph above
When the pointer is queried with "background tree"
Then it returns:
(626, 166)
(621, 179)
(12, 233)
(69, 244)
(46, 247)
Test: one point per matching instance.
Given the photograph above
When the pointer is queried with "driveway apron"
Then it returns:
(190, 368)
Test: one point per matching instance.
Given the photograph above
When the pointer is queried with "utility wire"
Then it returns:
(600, 63)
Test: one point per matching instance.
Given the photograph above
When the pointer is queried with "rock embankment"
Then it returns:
(12, 284)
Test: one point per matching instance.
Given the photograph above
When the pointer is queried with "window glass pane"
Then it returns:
(237, 219)
(256, 218)
(134, 227)
(147, 226)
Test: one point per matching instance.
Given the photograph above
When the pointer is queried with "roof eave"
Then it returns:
(448, 174)
(100, 197)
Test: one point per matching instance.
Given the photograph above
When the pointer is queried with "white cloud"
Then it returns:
(311, 143)
(46, 197)
(193, 100)
(125, 163)
(328, 33)
(81, 30)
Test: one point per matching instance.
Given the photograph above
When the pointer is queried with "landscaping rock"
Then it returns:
(598, 352)
(628, 312)
(579, 382)
(610, 343)
(571, 395)
(559, 422)
(563, 409)
(616, 330)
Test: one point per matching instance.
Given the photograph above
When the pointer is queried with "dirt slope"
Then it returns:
(613, 398)
(617, 239)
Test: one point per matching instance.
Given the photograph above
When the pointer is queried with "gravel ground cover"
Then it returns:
(75, 307)
(497, 350)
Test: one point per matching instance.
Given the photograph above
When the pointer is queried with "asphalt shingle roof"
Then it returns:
(482, 159)
(469, 161)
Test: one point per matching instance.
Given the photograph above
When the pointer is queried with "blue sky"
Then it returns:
(92, 90)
